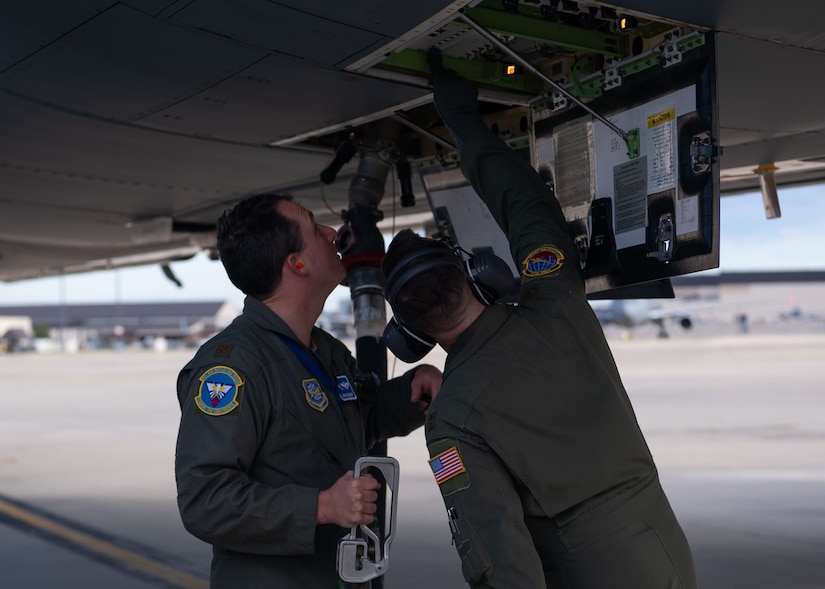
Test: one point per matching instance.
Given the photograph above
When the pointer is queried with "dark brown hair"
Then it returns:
(253, 240)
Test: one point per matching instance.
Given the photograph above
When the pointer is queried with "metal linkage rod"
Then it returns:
(529, 67)
(404, 120)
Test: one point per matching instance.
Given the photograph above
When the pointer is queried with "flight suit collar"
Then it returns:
(266, 318)
(479, 333)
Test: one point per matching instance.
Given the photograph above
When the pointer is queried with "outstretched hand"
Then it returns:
(456, 99)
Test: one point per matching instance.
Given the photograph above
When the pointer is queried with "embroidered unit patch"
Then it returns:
(447, 465)
(315, 395)
(218, 391)
(544, 260)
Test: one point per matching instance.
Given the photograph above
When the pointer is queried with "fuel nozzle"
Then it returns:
(359, 240)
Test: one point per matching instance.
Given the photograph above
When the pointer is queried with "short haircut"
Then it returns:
(431, 301)
(253, 241)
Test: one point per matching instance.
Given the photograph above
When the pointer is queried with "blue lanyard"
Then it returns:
(310, 364)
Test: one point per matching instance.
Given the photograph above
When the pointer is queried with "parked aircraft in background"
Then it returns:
(743, 299)
(632, 313)
(797, 314)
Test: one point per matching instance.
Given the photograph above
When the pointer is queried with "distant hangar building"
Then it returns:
(111, 325)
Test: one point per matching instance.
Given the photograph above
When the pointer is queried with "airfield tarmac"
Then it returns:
(736, 423)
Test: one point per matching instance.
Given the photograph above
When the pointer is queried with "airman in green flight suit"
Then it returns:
(274, 411)
(546, 476)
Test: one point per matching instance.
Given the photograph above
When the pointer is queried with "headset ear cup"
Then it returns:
(407, 345)
(492, 279)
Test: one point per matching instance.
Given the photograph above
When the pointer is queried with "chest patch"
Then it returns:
(542, 261)
(315, 395)
(346, 392)
(218, 391)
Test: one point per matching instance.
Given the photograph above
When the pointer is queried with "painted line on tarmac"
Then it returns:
(97, 545)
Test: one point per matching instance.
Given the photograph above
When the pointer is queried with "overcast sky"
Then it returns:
(748, 241)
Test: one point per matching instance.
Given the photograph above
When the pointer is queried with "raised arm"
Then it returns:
(518, 198)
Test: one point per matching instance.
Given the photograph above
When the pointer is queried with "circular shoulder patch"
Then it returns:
(218, 391)
(542, 261)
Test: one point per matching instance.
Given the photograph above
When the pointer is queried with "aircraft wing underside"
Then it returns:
(126, 128)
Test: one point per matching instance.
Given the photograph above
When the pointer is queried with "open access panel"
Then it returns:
(638, 181)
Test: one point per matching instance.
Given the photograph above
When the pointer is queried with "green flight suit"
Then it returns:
(260, 435)
(546, 476)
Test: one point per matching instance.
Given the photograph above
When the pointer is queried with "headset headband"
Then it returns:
(406, 269)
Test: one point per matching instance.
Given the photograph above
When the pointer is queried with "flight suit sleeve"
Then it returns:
(485, 515)
(218, 501)
(522, 204)
(394, 414)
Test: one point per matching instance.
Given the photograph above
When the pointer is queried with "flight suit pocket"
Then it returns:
(605, 515)
(475, 562)
(452, 477)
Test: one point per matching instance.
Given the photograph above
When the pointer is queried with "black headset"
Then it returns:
(490, 280)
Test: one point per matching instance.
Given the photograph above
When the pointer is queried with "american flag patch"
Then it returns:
(447, 465)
